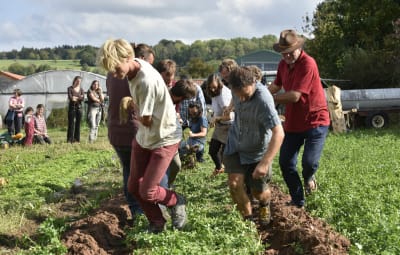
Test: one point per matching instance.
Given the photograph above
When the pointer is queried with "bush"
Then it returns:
(58, 118)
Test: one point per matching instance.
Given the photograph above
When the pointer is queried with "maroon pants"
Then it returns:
(148, 167)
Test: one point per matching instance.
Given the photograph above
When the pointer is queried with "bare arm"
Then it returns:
(291, 96)
(202, 133)
(273, 88)
(226, 116)
(262, 168)
(228, 109)
(287, 97)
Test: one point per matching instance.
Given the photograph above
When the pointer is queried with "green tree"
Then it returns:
(228, 50)
(181, 53)
(197, 68)
(87, 56)
(44, 54)
(266, 41)
(199, 49)
(215, 45)
(166, 49)
(347, 32)
(12, 54)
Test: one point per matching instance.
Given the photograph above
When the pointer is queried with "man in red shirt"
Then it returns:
(306, 114)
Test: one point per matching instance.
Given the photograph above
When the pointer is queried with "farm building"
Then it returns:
(48, 88)
(266, 60)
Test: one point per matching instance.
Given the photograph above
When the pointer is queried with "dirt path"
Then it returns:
(292, 231)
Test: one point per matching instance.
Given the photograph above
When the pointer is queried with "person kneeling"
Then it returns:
(197, 135)
(40, 131)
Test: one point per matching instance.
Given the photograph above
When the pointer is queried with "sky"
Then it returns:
(51, 23)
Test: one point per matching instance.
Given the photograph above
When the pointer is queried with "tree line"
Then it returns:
(356, 40)
(196, 60)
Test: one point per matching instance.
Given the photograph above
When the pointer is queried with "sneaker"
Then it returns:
(264, 216)
(155, 229)
(178, 213)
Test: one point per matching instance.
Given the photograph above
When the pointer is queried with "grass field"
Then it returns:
(55, 64)
(358, 193)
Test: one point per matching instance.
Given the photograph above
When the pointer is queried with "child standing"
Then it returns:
(29, 126)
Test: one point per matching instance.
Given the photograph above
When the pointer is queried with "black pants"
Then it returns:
(74, 123)
(216, 150)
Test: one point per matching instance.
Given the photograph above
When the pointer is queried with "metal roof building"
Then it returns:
(266, 60)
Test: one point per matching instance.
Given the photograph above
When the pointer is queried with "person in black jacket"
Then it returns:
(75, 96)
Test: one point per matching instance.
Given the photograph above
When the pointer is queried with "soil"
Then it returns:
(292, 231)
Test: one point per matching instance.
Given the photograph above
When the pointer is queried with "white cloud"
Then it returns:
(48, 23)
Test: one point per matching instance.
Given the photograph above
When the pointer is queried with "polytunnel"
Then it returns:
(48, 88)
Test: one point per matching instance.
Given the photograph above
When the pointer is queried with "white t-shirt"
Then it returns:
(222, 100)
(152, 97)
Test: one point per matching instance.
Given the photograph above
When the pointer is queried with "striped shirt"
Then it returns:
(40, 125)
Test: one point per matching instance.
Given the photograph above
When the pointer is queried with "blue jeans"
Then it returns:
(14, 126)
(313, 141)
(124, 154)
(183, 149)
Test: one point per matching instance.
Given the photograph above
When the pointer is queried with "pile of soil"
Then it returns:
(292, 231)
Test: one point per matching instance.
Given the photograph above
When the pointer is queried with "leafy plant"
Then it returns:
(48, 239)
(215, 226)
